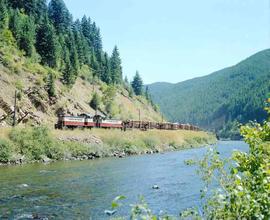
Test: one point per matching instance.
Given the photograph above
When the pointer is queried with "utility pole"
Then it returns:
(139, 118)
(15, 109)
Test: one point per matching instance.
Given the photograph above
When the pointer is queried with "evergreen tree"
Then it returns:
(116, 68)
(86, 29)
(106, 73)
(35, 8)
(24, 30)
(78, 37)
(67, 72)
(96, 38)
(147, 95)
(137, 84)
(51, 85)
(47, 44)
(74, 61)
(3, 15)
(59, 15)
(95, 101)
(95, 65)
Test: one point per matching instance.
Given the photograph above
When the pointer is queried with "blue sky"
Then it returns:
(175, 40)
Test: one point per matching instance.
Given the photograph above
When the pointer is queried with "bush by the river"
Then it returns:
(235, 188)
(35, 143)
(5, 151)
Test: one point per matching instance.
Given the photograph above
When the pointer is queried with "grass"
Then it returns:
(141, 141)
(37, 143)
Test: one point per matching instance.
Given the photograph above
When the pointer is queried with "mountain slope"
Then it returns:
(36, 107)
(218, 100)
(57, 64)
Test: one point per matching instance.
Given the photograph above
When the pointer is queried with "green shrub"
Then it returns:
(5, 151)
(243, 179)
(34, 142)
(95, 101)
(77, 149)
(19, 85)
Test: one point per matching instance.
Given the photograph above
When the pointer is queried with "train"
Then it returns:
(97, 121)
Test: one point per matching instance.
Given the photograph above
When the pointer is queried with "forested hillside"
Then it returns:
(49, 35)
(220, 100)
(58, 64)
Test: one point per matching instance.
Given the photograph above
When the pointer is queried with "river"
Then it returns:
(84, 189)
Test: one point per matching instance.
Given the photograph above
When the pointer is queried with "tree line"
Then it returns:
(48, 34)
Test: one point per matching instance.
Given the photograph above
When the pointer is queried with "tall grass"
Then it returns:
(136, 141)
(35, 143)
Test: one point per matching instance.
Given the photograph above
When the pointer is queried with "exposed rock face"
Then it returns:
(38, 98)
(6, 107)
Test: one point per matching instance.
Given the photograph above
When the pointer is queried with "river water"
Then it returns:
(84, 189)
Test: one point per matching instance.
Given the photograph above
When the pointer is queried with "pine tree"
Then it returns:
(59, 15)
(78, 37)
(106, 73)
(147, 95)
(51, 85)
(96, 38)
(3, 15)
(24, 30)
(35, 8)
(95, 101)
(137, 84)
(67, 72)
(47, 44)
(86, 29)
(116, 69)
(95, 65)
(74, 61)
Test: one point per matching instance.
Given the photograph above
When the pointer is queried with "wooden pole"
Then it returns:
(139, 118)
(15, 109)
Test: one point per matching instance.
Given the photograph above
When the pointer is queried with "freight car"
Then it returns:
(98, 121)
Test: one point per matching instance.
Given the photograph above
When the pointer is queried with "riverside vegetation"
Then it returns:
(235, 188)
(22, 145)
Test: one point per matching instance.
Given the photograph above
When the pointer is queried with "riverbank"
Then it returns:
(39, 144)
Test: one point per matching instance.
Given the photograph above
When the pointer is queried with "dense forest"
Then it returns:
(220, 100)
(48, 35)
